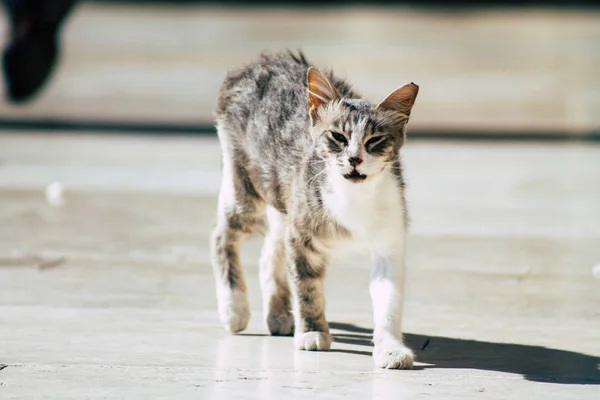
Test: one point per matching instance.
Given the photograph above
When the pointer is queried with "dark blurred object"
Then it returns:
(446, 4)
(34, 46)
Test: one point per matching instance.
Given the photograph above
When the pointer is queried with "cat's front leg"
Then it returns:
(386, 287)
(307, 272)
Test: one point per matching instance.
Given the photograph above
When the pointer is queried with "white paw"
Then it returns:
(234, 311)
(311, 341)
(281, 325)
(393, 357)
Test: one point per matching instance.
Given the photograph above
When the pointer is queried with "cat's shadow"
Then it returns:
(535, 363)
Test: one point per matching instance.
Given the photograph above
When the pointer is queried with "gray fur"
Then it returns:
(274, 156)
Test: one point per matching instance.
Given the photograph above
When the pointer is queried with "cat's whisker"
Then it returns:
(316, 176)
(318, 165)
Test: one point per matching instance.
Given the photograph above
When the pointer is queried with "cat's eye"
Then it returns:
(377, 144)
(339, 137)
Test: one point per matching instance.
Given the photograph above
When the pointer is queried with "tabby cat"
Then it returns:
(322, 164)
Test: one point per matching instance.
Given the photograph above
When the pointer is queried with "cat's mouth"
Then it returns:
(355, 176)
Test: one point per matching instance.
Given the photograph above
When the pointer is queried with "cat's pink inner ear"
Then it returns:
(401, 100)
(320, 91)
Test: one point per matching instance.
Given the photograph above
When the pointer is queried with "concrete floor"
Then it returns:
(110, 295)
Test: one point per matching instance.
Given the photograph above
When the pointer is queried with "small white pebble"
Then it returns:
(596, 272)
(54, 194)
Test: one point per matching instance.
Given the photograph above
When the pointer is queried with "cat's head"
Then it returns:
(356, 138)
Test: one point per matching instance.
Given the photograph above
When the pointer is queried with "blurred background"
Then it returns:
(485, 68)
(110, 169)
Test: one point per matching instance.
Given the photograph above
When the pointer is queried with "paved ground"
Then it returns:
(527, 69)
(110, 295)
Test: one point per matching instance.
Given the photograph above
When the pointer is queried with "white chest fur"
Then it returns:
(373, 210)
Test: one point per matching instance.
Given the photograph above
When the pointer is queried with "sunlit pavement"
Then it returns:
(106, 288)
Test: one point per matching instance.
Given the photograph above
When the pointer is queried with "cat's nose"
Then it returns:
(354, 161)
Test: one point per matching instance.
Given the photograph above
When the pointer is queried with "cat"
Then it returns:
(304, 150)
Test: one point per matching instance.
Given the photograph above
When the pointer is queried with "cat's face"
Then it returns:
(355, 138)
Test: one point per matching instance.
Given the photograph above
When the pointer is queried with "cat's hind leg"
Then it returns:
(240, 213)
(277, 307)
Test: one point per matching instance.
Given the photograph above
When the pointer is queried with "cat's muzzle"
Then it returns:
(355, 176)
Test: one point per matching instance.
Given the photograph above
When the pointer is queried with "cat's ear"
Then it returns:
(401, 100)
(320, 92)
